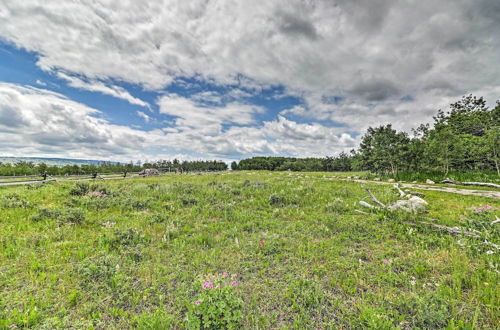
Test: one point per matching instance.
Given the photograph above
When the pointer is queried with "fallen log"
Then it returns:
(481, 184)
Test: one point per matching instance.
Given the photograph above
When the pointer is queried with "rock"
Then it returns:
(414, 205)
(391, 180)
(429, 181)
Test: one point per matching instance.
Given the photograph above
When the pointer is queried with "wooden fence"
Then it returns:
(44, 178)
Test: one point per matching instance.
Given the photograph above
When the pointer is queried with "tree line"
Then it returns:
(30, 168)
(465, 138)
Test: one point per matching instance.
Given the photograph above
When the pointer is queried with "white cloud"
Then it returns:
(370, 53)
(193, 115)
(37, 122)
(97, 86)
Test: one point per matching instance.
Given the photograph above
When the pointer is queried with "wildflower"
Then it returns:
(488, 207)
(234, 283)
(226, 274)
(208, 285)
(387, 261)
(197, 302)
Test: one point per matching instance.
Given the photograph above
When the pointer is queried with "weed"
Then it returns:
(304, 295)
(124, 238)
(45, 214)
(99, 270)
(188, 201)
(337, 206)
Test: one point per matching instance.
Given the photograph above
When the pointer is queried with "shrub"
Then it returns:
(75, 216)
(216, 306)
(79, 189)
(14, 201)
(84, 188)
(45, 214)
(125, 237)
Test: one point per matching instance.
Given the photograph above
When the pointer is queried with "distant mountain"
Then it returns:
(52, 161)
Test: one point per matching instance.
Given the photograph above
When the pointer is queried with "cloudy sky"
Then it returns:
(225, 79)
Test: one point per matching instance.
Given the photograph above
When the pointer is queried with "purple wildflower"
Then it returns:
(208, 285)
(197, 302)
(234, 283)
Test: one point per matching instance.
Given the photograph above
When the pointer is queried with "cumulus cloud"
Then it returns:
(39, 122)
(308, 46)
(190, 114)
(381, 60)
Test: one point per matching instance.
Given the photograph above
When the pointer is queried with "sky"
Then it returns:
(129, 80)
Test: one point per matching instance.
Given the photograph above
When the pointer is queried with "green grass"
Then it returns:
(301, 256)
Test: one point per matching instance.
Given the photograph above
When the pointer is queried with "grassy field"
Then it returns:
(245, 249)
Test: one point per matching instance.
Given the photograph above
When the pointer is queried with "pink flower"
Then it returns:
(387, 261)
(234, 283)
(208, 285)
(488, 207)
(225, 274)
(197, 302)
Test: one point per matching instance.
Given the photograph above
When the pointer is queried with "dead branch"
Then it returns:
(452, 230)
(368, 205)
(374, 199)
(401, 193)
(494, 222)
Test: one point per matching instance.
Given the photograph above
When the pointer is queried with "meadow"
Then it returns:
(254, 250)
